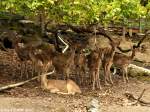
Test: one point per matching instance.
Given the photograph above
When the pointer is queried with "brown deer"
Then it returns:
(107, 60)
(80, 65)
(122, 61)
(64, 62)
(104, 57)
(94, 63)
(55, 86)
(60, 86)
(23, 54)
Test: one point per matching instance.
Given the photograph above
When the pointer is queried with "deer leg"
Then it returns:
(115, 71)
(26, 70)
(97, 75)
(22, 67)
(83, 74)
(126, 74)
(109, 74)
(93, 74)
(67, 73)
(78, 76)
(33, 71)
(90, 77)
(123, 73)
(98, 79)
(106, 76)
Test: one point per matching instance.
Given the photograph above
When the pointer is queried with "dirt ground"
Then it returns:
(31, 98)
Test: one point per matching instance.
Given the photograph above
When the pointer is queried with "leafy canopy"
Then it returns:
(78, 11)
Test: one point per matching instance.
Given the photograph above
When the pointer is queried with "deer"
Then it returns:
(94, 63)
(23, 54)
(122, 61)
(60, 86)
(107, 61)
(102, 57)
(44, 61)
(54, 86)
(80, 63)
(63, 63)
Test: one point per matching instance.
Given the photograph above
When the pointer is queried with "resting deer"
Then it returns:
(122, 61)
(59, 86)
(107, 61)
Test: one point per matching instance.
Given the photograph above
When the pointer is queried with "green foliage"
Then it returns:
(79, 11)
(123, 10)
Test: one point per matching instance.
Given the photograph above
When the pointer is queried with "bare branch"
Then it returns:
(139, 98)
(67, 46)
(22, 83)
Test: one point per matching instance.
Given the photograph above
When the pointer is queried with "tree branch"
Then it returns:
(22, 83)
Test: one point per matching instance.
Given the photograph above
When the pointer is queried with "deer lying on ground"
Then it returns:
(60, 86)
(122, 61)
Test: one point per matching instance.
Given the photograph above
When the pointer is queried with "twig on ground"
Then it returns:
(23, 82)
(136, 101)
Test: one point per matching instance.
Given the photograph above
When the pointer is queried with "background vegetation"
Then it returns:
(81, 12)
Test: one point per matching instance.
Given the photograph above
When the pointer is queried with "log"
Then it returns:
(139, 69)
(23, 82)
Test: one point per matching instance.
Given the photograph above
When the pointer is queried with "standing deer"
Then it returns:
(94, 63)
(107, 61)
(23, 54)
(80, 65)
(63, 63)
(122, 61)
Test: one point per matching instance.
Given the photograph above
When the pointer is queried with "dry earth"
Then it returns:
(30, 98)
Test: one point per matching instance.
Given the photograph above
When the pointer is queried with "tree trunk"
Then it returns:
(42, 21)
(130, 32)
(124, 32)
(140, 25)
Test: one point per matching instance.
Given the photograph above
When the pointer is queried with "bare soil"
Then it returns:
(31, 98)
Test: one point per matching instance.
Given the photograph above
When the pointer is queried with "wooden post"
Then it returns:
(140, 26)
(123, 30)
(130, 28)
(42, 21)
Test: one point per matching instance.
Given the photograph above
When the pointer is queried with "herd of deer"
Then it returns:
(45, 58)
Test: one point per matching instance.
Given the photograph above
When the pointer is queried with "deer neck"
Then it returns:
(44, 81)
